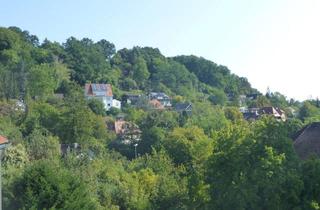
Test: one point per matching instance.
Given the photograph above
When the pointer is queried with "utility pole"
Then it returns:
(135, 151)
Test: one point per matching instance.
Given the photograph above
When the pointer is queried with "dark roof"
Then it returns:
(307, 141)
(158, 95)
(183, 107)
(251, 115)
(268, 110)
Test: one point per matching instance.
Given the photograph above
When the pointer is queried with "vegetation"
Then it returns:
(210, 159)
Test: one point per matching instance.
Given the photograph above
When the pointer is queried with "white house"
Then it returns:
(116, 103)
(161, 97)
(102, 92)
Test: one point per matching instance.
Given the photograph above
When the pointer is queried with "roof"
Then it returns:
(307, 141)
(250, 115)
(268, 110)
(156, 104)
(98, 90)
(158, 95)
(3, 140)
(183, 106)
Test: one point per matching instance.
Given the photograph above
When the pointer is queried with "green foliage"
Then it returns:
(233, 114)
(15, 156)
(253, 169)
(42, 81)
(311, 179)
(218, 97)
(8, 129)
(308, 111)
(140, 71)
(215, 75)
(278, 100)
(97, 107)
(207, 117)
(44, 185)
(163, 119)
(87, 60)
(152, 138)
(261, 101)
(42, 146)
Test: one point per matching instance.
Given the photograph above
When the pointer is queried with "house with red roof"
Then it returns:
(3, 142)
(103, 93)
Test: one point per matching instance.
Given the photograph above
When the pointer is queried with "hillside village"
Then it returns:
(129, 133)
(84, 125)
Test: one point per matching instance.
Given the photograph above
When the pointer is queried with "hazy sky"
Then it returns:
(273, 43)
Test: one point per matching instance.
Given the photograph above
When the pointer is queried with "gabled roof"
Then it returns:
(307, 141)
(98, 90)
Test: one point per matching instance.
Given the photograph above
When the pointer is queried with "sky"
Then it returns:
(274, 43)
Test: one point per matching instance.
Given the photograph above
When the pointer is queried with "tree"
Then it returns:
(152, 138)
(107, 48)
(308, 110)
(191, 148)
(207, 117)
(140, 71)
(218, 97)
(310, 194)
(233, 114)
(41, 81)
(97, 107)
(15, 156)
(253, 169)
(87, 60)
(44, 185)
(42, 146)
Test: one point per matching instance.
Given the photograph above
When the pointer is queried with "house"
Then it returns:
(307, 141)
(127, 132)
(273, 111)
(102, 92)
(3, 142)
(116, 103)
(161, 97)
(250, 113)
(256, 113)
(183, 108)
(156, 104)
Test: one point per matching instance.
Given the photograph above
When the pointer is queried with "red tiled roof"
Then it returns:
(89, 90)
(156, 104)
(3, 140)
